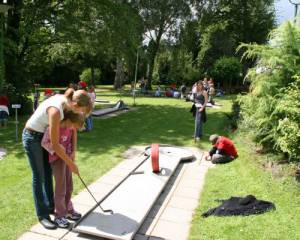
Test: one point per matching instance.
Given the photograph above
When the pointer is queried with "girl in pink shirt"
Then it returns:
(61, 172)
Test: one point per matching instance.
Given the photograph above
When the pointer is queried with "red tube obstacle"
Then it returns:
(155, 157)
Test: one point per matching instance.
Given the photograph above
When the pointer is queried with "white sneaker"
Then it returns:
(62, 222)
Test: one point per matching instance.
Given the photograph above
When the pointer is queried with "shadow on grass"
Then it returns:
(150, 124)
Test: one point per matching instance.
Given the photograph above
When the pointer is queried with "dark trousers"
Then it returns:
(42, 185)
(220, 158)
(198, 124)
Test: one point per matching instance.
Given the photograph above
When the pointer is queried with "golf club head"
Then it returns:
(109, 211)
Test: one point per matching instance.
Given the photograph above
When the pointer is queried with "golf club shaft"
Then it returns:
(91, 194)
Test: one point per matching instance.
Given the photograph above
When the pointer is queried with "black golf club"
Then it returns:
(106, 211)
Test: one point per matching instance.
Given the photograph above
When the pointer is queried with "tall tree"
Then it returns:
(240, 21)
(161, 18)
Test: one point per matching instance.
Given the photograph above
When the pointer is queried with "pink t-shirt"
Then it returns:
(65, 139)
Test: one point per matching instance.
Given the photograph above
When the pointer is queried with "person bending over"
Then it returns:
(223, 150)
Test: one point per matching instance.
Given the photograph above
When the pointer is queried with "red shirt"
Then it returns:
(4, 100)
(82, 84)
(48, 92)
(226, 145)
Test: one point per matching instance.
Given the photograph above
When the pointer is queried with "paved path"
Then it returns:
(171, 215)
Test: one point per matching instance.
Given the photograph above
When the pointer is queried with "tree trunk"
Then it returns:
(92, 76)
(119, 78)
(152, 57)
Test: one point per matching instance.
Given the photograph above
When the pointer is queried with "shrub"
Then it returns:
(271, 111)
(227, 70)
(86, 75)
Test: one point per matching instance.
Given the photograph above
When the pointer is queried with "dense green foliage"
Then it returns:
(174, 66)
(272, 110)
(224, 24)
(227, 71)
(53, 42)
(216, 42)
(87, 77)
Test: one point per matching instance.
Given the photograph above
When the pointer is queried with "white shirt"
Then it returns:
(4, 108)
(39, 119)
(92, 96)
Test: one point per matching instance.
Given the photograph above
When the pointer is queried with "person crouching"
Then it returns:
(223, 150)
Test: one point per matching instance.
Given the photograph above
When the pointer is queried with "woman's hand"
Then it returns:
(201, 109)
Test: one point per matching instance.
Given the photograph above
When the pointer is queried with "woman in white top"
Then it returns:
(49, 113)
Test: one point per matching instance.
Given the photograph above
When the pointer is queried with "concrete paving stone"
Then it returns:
(195, 171)
(80, 236)
(133, 152)
(183, 203)
(187, 192)
(110, 179)
(81, 208)
(177, 215)
(171, 230)
(189, 183)
(57, 233)
(35, 236)
(197, 177)
(83, 199)
(140, 237)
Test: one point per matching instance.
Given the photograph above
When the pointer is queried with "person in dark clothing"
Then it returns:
(200, 101)
(223, 150)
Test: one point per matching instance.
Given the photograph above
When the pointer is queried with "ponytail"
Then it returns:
(80, 98)
(69, 94)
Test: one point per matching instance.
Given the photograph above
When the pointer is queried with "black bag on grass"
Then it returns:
(237, 206)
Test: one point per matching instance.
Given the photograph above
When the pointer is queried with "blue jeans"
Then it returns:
(42, 185)
(198, 124)
(89, 123)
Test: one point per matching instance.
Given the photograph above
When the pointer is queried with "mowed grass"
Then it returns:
(240, 178)
(167, 121)
(155, 120)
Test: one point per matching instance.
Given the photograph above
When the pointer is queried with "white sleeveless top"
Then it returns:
(39, 119)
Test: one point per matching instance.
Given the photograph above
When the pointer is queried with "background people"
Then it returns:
(4, 112)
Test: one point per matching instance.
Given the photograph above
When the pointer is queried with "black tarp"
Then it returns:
(242, 206)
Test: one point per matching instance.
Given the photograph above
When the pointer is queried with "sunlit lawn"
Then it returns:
(159, 120)
(168, 121)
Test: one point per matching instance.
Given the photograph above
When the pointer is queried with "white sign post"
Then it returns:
(16, 107)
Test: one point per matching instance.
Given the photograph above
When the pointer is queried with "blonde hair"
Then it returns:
(81, 98)
(76, 118)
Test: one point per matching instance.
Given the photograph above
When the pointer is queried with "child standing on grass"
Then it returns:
(63, 176)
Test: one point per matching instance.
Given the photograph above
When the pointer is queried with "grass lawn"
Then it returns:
(240, 178)
(159, 120)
